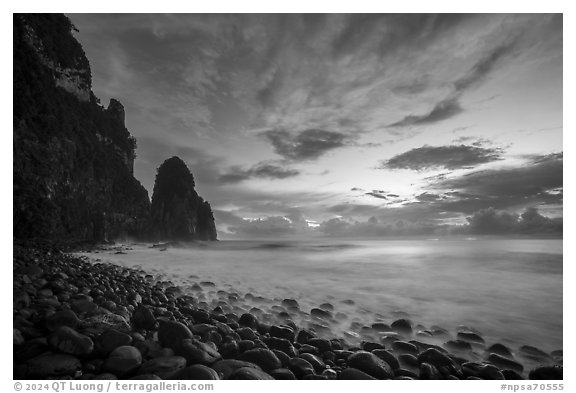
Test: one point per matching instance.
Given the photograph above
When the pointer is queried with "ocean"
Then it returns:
(510, 291)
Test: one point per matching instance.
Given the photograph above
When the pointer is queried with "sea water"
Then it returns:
(508, 290)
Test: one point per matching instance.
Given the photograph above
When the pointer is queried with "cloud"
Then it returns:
(448, 157)
(262, 170)
(377, 194)
(493, 222)
(443, 110)
(482, 68)
(306, 145)
(529, 180)
(450, 106)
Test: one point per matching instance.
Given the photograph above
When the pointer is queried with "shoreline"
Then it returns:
(224, 335)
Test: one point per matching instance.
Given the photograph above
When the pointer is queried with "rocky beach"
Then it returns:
(78, 318)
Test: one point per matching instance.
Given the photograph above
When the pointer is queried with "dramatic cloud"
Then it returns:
(262, 170)
(492, 222)
(482, 68)
(450, 107)
(448, 157)
(443, 110)
(306, 145)
(533, 179)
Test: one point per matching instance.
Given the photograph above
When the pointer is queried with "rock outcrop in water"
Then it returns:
(73, 159)
(178, 212)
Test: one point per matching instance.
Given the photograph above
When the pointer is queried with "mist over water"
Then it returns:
(508, 290)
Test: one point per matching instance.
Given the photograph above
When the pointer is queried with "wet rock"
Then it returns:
(403, 326)
(511, 375)
(144, 318)
(500, 349)
(247, 334)
(458, 346)
(62, 318)
(248, 320)
(282, 356)
(195, 372)
(534, 353)
(388, 357)
(440, 360)
(282, 374)
(225, 368)
(322, 344)
(320, 313)
(408, 360)
(490, 372)
(314, 377)
(146, 377)
(290, 303)
(404, 347)
(281, 344)
(18, 339)
(249, 373)
(370, 364)
(83, 306)
(402, 372)
(315, 361)
(304, 336)
(197, 352)
(123, 361)
(547, 372)
(112, 339)
(330, 373)
(162, 366)
(300, 367)
(429, 372)
(326, 306)
(264, 358)
(246, 345)
(353, 374)
(370, 346)
(51, 365)
(67, 340)
(172, 333)
(470, 337)
(505, 363)
(282, 332)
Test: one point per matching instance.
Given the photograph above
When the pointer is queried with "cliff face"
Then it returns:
(73, 158)
(177, 210)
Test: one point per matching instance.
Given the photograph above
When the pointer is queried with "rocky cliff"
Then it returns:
(177, 210)
(73, 158)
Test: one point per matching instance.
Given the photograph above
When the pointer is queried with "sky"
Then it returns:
(366, 125)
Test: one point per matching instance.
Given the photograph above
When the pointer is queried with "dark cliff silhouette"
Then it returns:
(178, 212)
(73, 158)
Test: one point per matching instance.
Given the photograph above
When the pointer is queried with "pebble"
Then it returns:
(52, 365)
(403, 326)
(505, 363)
(300, 367)
(123, 360)
(282, 374)
(249, 373)
(547, 372)
(162, 366)
(195, 372)
(225, 368)
(172, 333)
(264, 358)
(67, 340)
(370, 364)
(112, 339)
(197, 352)
(353, 374)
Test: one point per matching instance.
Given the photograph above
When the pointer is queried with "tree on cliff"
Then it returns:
(178, 213)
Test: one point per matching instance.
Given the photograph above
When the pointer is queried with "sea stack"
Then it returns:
(178, 212)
